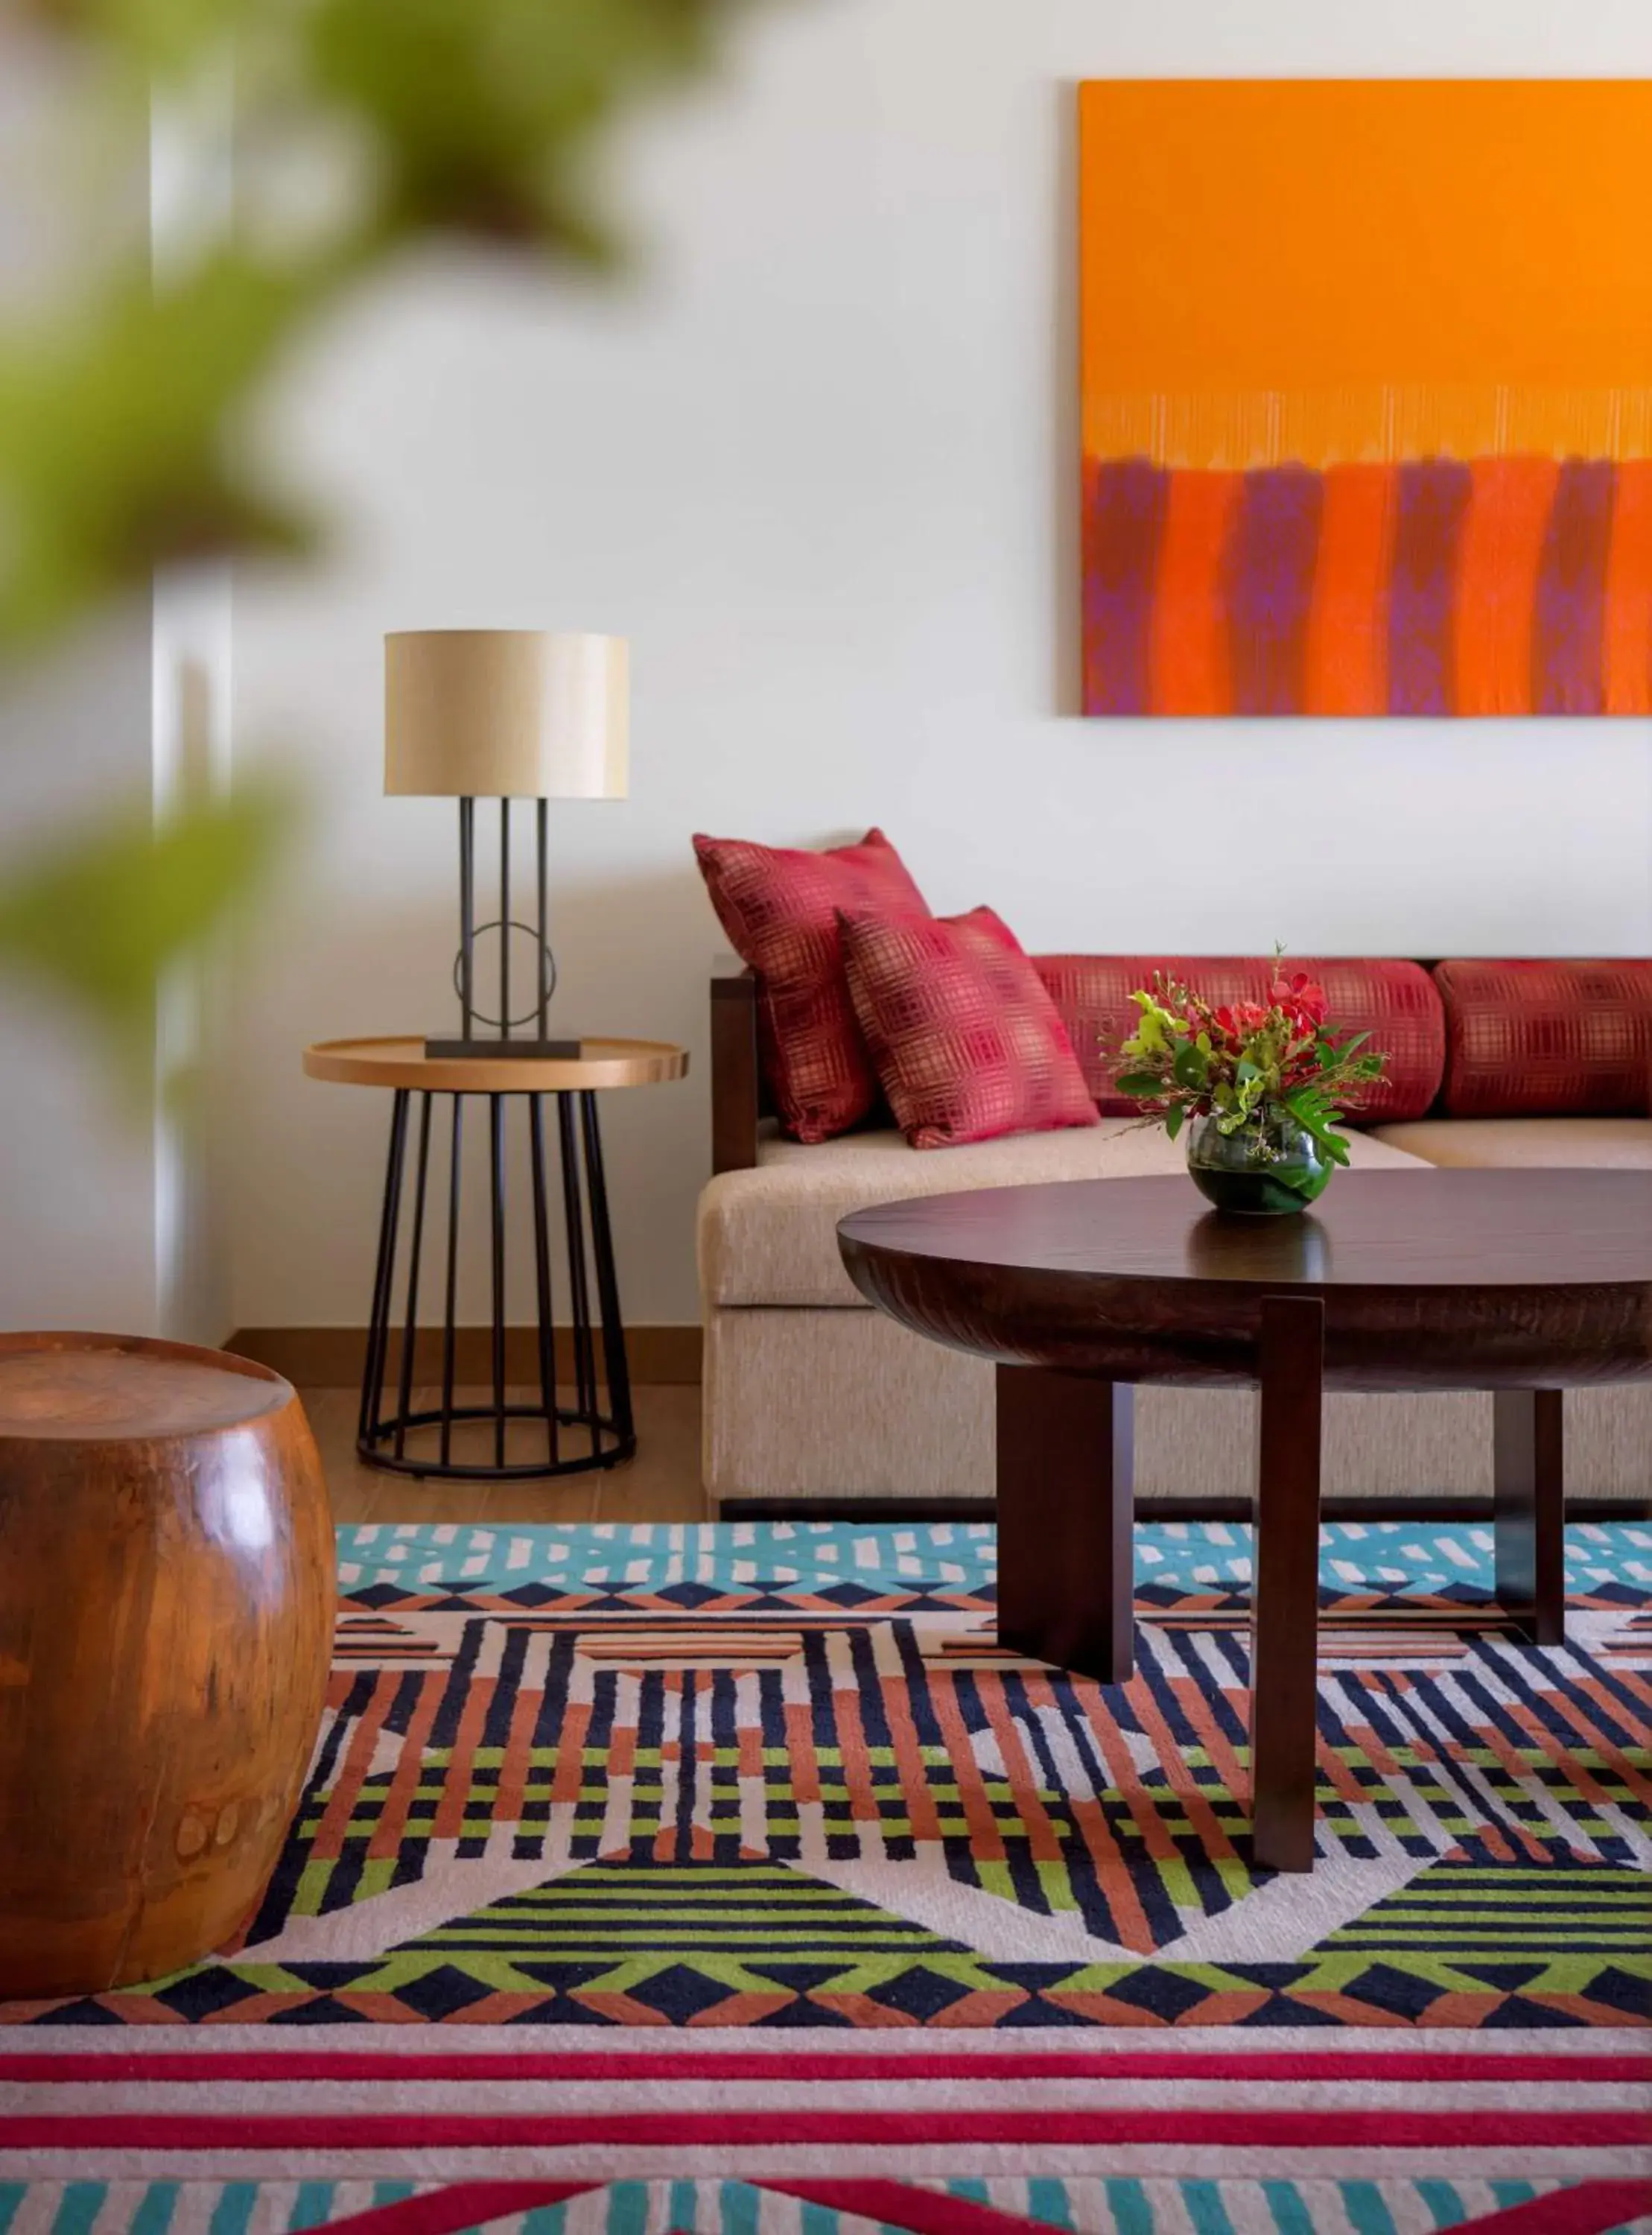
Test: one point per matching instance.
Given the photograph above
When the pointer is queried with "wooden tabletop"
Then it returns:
(1433, 1279)
(402, 1062)
(85, 1388)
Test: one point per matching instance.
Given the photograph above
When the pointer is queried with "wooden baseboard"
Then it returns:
(332, 1357)
(1185, 1507)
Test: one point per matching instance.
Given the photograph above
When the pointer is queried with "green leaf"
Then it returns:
(1299, 1179)
(1190, 1067)
(1308, 1106)
(1142, 1085)
(102, 916)
(1334, 1053)
(1174, 1117)
(484, 111)
(115, 455)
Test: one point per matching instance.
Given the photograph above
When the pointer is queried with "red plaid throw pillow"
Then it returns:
(967, 1042)
(778, 906)
(1544, 1039)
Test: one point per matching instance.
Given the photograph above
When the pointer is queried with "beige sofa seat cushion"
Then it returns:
(804, 1405)
(768, 1236)
(1509, 1143)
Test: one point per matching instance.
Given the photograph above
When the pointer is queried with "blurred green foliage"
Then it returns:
(103, 914)
(123, 408)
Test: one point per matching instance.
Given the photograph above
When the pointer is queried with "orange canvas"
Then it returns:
(1395, 339)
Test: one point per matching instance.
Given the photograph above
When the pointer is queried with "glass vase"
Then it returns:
(1270, 1168)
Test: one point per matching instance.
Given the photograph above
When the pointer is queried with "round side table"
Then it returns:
(166, 1623)
(401, 1066)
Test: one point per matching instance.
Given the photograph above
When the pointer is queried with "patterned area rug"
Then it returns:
(732, 1879)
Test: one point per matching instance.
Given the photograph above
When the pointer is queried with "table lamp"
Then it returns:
(503, 714)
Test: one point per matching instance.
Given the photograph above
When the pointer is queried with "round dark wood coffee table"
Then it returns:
(1524, 1283)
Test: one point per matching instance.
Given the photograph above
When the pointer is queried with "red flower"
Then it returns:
(1299, 997)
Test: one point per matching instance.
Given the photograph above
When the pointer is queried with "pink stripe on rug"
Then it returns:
(1592, 2208)
(1392, 2129)
(169, 2066)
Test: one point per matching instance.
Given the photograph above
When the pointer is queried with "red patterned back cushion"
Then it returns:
(1528, 1039)
(1395, 1002)
(778, 906)
(966, 1041)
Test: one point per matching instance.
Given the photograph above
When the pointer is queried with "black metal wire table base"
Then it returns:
(576, 1437)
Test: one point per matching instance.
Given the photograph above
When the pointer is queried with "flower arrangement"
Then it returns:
(1260, 1085)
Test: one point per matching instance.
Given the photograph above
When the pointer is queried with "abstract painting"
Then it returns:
(1366, 398)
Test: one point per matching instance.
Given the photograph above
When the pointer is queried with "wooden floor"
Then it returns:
(661, 1484)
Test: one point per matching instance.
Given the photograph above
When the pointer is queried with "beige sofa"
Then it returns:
(811, 1394)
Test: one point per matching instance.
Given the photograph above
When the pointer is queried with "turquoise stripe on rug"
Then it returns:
(81, 2202)
(1290, 2213)
(545, 2219)
(1205, 2208)
(1367, 2213)
(1131, 2213)
(1443, 2203)
(1398, 1555)
(1047, 2200)
(740, 2208)
(233, 2211)
(628, 2208)
(156, 2209)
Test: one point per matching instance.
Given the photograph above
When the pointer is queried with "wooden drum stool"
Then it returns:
(166, 1619)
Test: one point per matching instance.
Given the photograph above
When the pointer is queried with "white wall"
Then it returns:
(191, 656)
(108, 1214)
(192, 182)
(77, 1204)
(77, 1231)
(818, 462)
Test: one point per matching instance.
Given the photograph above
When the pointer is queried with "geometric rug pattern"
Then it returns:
(685, 1863)
(1108, 2206)
(1115, 2206)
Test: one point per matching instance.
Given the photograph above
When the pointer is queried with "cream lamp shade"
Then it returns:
(505, 714)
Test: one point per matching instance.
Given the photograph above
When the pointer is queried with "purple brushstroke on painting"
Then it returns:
(1433, 503)
(1569, 616)
(1124, 519)
(1269, 577)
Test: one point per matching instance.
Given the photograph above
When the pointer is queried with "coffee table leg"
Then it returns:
(1284, 1672)
(1066, 1502)
(1529, 1492)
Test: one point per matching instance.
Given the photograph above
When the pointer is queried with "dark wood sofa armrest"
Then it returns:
(736, 1091)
